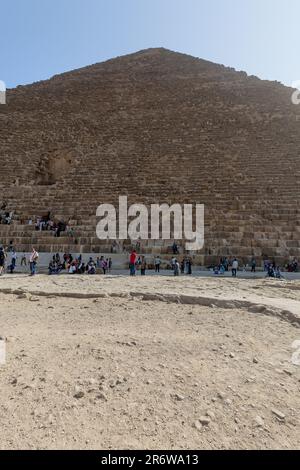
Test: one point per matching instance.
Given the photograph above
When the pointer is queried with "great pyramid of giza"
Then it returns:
(158, 126)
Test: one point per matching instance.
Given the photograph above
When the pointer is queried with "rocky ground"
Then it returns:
(119, 362)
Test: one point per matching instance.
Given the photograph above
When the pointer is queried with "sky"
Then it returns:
(41, 38)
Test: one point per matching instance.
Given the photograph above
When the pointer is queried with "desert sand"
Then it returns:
(113, 362)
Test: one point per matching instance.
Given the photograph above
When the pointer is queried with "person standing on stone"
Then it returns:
(253, 265)
(175, 248)
(143, 266)
(33, 261)
(176, 268)
(173, 261)
(13, 261)
(23, 260)
(132, 261)
(157, 262)
(234, 268)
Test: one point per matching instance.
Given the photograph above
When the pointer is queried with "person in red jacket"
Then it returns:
(132, 261)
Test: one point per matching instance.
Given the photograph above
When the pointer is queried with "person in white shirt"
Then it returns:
(157, 262)
(32, 261)
(235, 266)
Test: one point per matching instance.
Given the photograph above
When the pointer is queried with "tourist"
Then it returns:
(72, 268)
(278, 274)
(2, 260)
(65, 258)
(173, 261)
(271, 271)
(104, 265)
(182, 266)
(109, 264)
(33, 261)
(99, 262)
(234, 267)
(8, 218)
(51, 267)
(253, 265)
(80, 266)
(23, 260)
(293, 266)
(143, 266)
(157, 263)
(138, 263)
(13, 262)
(54, 268)
(50, 225)
(216, 270)
(175, 248)
(91, 266)
(176, 268)
(189, 266)
(132, 261)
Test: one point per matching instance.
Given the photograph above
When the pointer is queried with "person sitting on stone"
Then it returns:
(91, 266)
(51, 267)
(70, 231)
(81, 267)
(278, 274)
(7, 220)
(72, 268)
(271, 272)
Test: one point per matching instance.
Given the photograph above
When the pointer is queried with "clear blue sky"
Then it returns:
(40, 38)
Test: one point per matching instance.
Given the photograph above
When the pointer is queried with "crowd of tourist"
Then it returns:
(5, 253)
(6, 216)
(293, 266)
(54, 226)
(76, 265)
(224, 265)
(70, 264)
(139, 263)
(270, 267)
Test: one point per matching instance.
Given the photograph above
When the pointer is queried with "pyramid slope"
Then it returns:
(159, 126)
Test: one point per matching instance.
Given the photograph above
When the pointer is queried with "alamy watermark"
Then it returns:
(2, 92)
(161, 221)
(296, 95)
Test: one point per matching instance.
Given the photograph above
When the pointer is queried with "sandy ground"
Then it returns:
(155, 362)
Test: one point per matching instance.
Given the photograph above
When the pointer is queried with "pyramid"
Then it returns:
(157, 126)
